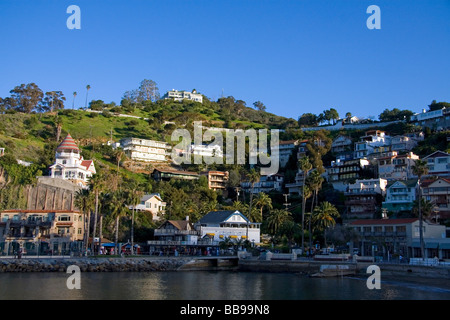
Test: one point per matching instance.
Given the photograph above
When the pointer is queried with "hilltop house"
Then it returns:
(340, 172)
(144, 150)
(181, 95)
(342, 147)
(70, 165)
(373, 138)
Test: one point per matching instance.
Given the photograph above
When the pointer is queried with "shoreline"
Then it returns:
(146, 264)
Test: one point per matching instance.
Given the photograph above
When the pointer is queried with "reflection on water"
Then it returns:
(203, 285)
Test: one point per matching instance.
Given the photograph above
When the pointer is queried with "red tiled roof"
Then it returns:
(86, 163)
(68, 144)
(383, 221)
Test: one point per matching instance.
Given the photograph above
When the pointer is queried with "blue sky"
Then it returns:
(295, 56)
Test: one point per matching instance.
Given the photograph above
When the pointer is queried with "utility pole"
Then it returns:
(286, 204)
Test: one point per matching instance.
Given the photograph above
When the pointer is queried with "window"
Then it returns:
(79, 231)
(64, 218)
(5, 218)
(442, 160)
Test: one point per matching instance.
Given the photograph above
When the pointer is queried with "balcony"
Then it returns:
(171, 232)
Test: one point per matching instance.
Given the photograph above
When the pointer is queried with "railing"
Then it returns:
(161, 232)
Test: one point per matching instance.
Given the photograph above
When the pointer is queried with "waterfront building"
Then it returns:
(70, 165)
(400, 195)
(153, 204)
(396, 167)
(167, 174)
(363, 198)
(438, 163)
(438, 193)
(181, 95)
(217, 180)
(265, 184)
(38, 231)
(392, 237)
(219, 225)
(144, 150)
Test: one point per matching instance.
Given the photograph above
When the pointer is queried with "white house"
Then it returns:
(373, 138)
(220, 225)
(70, 165)
(152, 203)
(144, 150)
(206, 150)
(181, 95)
(400, 195)
(265, 184)
(285, 149)
(438, 163)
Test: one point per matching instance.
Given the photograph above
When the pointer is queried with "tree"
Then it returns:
(263, 201)
(324, 217)
(96, 184)
(27, 97)
(88, 87)
(84, 201)
(134, 195)
(53, 100)
(438, 105)
(276, 219)
(148, 90)
(420, 169)
(305, 166)
(73, 101)
(395, 115)
(259, 106)
(315, 181)
(117, 210)
(253, 177)
(308, 120)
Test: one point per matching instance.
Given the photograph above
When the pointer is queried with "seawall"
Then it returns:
(92, 264)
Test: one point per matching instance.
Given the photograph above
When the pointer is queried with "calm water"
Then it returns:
(203, 285)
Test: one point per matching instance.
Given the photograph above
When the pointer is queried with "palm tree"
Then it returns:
(118, 209)
(263, 201)
(96, 184)
(305, 166)
(83, 201)
(276, 219)
(73, 101)
(134, 196)
(290, 230)
(87, 91)
(420, 169)
(315, 181)
(253, 177)
(324, 216)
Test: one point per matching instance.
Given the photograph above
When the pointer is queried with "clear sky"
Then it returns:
(295, 56)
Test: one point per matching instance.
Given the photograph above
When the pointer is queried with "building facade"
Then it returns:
(396, 167)
(153, 204)
(400, 195)
(217, 180)
(438, 193)
(144, 150)
(373, 138)
(438, 163)
(181, 95)
(40, 231)
(70, 165)
(219, 225)
(364, 197)
(389, 238)
(265, 184)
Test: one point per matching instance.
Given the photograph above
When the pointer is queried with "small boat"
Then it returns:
(335, 270)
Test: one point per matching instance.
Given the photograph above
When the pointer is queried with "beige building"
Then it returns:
(217, 180)
(144, 150)
(38, 230)
(152, 203)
